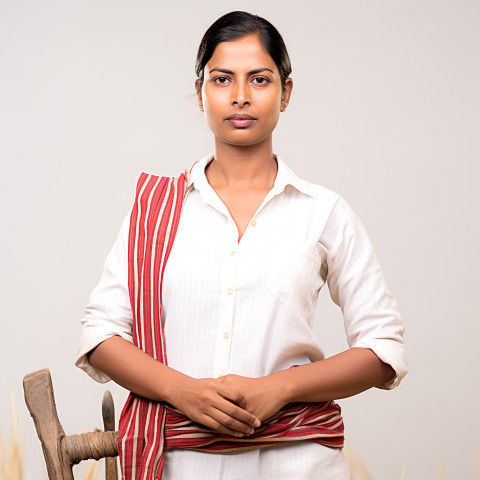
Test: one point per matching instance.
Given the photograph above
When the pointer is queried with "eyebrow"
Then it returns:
(251, 72)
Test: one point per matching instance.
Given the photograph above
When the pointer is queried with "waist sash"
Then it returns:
(147, 428)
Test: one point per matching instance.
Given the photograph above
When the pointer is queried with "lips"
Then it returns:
(240, 116)
(240, 120)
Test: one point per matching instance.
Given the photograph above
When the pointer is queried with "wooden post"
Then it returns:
(108, 414)
(40, 401)
(62, 451)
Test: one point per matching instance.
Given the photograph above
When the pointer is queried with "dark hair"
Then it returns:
(238, 24)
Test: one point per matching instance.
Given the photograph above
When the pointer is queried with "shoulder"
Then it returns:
(321, 194)
(335, 218)
(154, 181)
(326, 202)
(150, 184)
(318, 196)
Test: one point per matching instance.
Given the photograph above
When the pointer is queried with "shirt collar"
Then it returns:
(285, 176)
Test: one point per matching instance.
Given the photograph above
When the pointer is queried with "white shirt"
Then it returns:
(248, 307)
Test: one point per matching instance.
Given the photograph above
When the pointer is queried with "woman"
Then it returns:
(234, 304)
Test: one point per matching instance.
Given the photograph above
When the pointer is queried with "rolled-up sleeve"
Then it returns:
(109, 311)
(357, 285)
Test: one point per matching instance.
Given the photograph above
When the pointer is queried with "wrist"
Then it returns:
(282, 384)
(173, 385)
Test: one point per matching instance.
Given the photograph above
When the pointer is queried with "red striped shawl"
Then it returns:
(148, 428)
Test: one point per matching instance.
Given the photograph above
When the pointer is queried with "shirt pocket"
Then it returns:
(296, 273)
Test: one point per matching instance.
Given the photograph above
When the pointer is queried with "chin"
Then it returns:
(242, 142)
(242, 137)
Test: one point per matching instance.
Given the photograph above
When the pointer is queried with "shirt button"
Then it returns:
(229, 291)
(253, 223)
(232, 253)
(226, 335)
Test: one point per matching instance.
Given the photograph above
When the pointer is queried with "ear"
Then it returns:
(199, 95)
(286, 93)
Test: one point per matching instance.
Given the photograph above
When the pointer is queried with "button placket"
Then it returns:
(227, 303)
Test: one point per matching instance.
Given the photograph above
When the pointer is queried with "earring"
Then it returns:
(285, 106)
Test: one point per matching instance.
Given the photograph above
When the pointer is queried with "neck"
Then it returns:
(242, 167)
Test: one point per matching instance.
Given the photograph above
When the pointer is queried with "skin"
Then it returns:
(244, 169)
(242, 173)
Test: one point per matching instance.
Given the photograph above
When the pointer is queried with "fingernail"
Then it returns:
(257, 423)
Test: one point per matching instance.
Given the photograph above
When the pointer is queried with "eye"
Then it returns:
(220, 80)
(261, 80)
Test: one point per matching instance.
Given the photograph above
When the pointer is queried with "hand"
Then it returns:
(265, 396)
(215, 405)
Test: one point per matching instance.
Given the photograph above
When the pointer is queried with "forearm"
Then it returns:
(343, 375)
(135, 370)
(205, 401)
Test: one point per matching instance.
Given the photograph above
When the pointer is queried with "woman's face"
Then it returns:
(242, 79)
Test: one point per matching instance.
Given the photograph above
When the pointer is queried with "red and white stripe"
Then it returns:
(148, 428)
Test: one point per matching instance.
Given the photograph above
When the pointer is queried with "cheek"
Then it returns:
(272, 110)
(215, 108)
(271, 104)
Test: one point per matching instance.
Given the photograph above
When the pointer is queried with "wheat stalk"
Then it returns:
(92, 470)
(441, 474)
(478, 465)
(356, 465)
(11, 459)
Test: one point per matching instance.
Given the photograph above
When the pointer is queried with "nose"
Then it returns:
(240, 94)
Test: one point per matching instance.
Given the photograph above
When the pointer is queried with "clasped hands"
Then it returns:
(231, 404)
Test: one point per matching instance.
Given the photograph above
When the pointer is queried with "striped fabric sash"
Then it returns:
(321, 422)
(147, 428)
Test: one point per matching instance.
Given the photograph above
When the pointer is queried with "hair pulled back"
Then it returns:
(239, 24)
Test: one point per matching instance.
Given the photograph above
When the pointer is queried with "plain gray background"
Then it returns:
(384, 110)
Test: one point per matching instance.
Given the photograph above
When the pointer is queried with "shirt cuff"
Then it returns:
(88, 343)
(390, 352)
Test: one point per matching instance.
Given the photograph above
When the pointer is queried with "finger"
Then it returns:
(232, 402)
(238, 398)
(229, 421)
(238, 414)
(219, 427)
(231, 394)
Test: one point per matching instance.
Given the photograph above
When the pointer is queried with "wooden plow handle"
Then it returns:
(61, 452)
(108, 414)
(93, 445)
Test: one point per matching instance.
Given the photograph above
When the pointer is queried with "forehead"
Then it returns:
(243, 53)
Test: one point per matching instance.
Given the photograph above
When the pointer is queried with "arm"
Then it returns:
(356, 284)
(206, 401)
(372, 323)
(106, 351)
(133, 369)
(343, 375)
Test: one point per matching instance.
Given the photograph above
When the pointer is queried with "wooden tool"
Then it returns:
(108, 414)
(62, 451)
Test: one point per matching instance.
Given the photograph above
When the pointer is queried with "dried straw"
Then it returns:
(92, 470)
(478, 465)
(11, 457)
(441, 469)
(356, 466)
